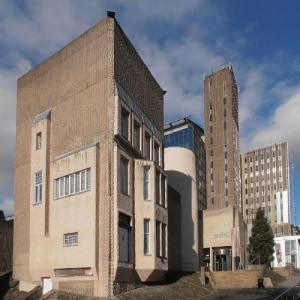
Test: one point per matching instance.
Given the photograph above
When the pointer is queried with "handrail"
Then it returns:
(286, 291)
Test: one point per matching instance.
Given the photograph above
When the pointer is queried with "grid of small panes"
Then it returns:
(71, 239)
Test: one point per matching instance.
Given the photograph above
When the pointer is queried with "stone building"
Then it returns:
(265, 184)
(90, 187)
(185, 166)
(224, 229)
(6, 243)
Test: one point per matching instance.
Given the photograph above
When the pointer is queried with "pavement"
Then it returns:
(290, 281)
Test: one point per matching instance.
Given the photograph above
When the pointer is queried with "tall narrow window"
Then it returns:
(38, 141)
(72, 184)
(124, 176)
(137, 136)
(158, 241)
(124, 238)
(77, 182)
(156, 152)
(147, 146)
(163, 190)
(146, 183)
(164, 240)
(124, 123)
(147, 236)
(38, 187)
(157, 187)
(82, 181)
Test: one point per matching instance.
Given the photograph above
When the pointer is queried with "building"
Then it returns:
(185, 167)
(265, 184)
(90, 188)
(6, 243)
(224, 230)
(295, 229)
(174, 231)
(286, 252)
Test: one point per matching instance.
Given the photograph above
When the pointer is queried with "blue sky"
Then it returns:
(180, 41)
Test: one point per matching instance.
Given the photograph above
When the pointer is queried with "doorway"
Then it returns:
(47, 285)
(222, 259)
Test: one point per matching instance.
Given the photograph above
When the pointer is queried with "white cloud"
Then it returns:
(8, 207)
(252, 95)
(284, 125)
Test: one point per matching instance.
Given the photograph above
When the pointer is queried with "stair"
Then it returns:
(236, 279)
(187, 288)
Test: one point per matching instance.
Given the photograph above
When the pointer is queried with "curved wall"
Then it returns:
(181, 169)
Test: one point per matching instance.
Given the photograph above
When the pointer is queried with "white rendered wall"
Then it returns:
(282, 213)
(181, 169)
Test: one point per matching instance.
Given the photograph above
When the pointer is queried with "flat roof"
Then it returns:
(180, 123)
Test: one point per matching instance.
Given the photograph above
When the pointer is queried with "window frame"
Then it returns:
(65, 186)
(146, 183)
(136, 124)
(38, 187)
(125, 134)
(75, 233)
(124, 186)
(147, 249)
(38, 141)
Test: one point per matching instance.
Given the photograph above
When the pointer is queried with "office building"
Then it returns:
(265, 184)
(90, 188)
(185, 167)
(224, 229)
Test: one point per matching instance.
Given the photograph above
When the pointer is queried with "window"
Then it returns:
(137, 136)
(156, 152)
(124, 175)
(71, 239)
(164, 240)
(157, 187)
(147, 236)
(224, 101)
(161, 239)
(147, 146)
(38, 141)
(158, 241)
(163, 190)
(72, 184)
(146, 183)
(38, 187)
(124, 123)
(124, 236)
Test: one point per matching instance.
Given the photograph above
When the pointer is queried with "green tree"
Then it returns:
(262, 238)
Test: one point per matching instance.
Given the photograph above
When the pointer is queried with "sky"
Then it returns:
(180, 41)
